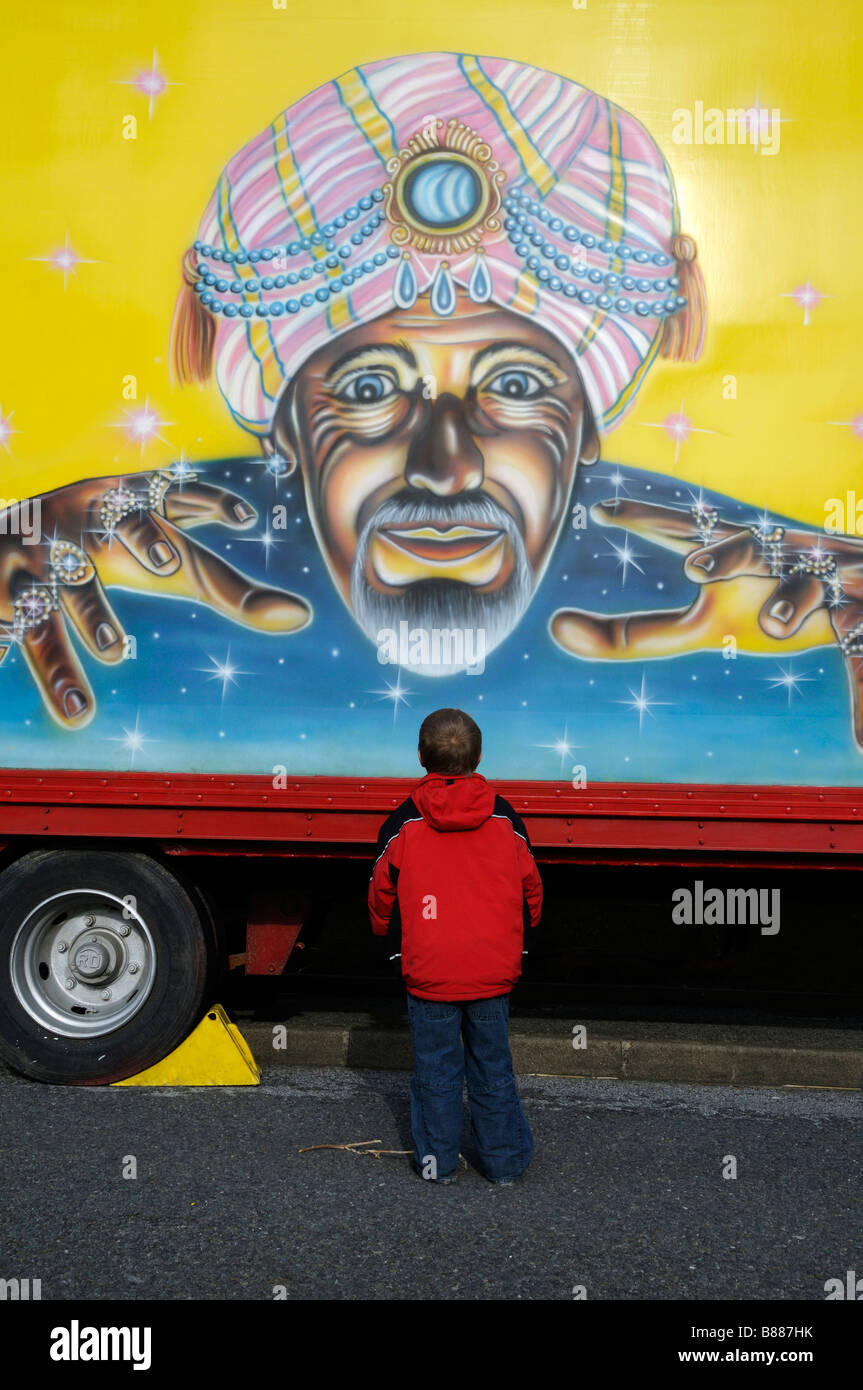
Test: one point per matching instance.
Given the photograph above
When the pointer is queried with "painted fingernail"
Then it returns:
(703, 562)
(782, 610)
(242, 511)
(161, 553)
(105, 636)
(74, 703)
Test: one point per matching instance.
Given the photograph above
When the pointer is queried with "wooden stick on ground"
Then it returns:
(358, 1147)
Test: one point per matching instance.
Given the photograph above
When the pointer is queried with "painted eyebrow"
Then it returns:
(494, 349)
(395, 349)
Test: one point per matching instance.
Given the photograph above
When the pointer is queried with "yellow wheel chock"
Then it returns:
(214, 1054)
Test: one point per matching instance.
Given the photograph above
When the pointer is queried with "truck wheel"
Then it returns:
(103, 965)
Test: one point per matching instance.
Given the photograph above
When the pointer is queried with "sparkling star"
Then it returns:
(64, 259)
(6, 429)
(787, 680)
(807, 298)
(223, 671)
(764, 522)
(133, 739)
(625, 558)
(563, 746)
(276, 466)
(758, 121)
(267, 540)
(396, 693)
(855, 425)
(143, 425)
(642, 702)
(618, 481)
(150, 83)
(181, 470)
(678, 428)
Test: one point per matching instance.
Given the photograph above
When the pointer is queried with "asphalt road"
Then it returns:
(625, 1195)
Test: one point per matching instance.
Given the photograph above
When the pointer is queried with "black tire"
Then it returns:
(216, 938)
(178, 954)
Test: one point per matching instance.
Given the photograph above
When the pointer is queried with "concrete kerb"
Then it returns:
(698, 1053)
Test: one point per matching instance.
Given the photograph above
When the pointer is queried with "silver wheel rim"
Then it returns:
(83, 962)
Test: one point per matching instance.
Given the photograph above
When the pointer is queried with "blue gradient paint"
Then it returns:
(318, 703)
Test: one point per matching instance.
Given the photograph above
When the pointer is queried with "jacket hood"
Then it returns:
(454, 803)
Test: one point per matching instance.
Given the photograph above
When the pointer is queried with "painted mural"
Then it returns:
(423, 305)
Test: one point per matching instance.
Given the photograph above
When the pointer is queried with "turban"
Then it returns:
(417, 175)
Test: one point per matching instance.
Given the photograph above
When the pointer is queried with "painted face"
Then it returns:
(438, 458)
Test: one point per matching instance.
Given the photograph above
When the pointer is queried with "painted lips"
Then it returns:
(401, 554)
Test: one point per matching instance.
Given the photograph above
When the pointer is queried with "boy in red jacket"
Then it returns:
(455, 877)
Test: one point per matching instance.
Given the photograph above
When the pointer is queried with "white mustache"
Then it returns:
(480, 511)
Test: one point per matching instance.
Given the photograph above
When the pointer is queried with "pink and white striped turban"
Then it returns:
(414, 175)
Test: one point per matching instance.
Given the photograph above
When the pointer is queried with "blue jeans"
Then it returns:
(441, 1065)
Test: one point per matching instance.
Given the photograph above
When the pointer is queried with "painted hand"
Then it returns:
(129, 531)
(771, 589)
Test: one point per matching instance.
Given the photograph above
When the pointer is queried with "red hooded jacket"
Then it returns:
(455, 873)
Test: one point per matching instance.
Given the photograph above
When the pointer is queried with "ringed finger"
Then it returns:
(140, 534)
(854, 667)
(734, 556)
(94, 618)
(58, 673)
(675, 528)
(195, 504)
(793, 600)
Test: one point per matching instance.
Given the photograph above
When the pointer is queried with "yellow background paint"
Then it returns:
(763, 224)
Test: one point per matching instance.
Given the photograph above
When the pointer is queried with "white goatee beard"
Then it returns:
(430, 604)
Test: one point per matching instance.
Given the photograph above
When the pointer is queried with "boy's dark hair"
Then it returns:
(450, 741)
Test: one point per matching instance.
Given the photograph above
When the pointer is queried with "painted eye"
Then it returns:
(516, 386)
(368, 388)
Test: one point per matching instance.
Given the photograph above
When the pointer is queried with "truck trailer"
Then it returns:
(442, 380)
